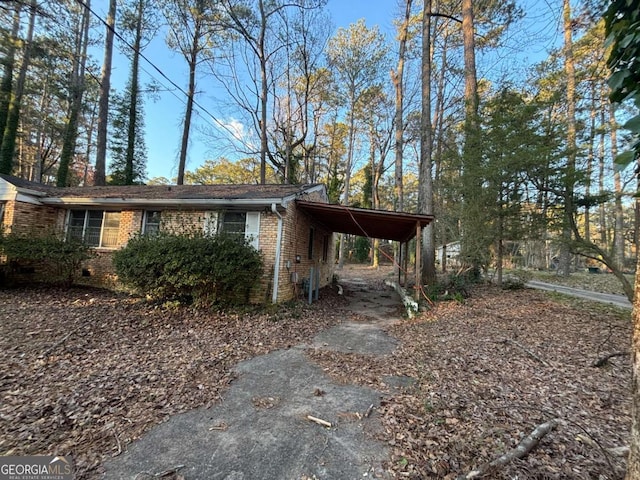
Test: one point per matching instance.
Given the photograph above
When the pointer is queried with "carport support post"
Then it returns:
(405, 264)
(418, 259)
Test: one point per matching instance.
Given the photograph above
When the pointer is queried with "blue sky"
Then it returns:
(163, 116)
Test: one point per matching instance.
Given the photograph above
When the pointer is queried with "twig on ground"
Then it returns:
(56, 345)
(527, 444)
(526, 350)
(368, 412)
(605, 360)
(319, 421)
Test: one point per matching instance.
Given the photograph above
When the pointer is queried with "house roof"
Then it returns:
(381, 224)
(164, 195)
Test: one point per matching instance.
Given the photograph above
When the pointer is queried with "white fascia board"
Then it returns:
(21, 197)
(150, 203)
(9, 193)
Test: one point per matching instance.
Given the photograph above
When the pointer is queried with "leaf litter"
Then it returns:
(488, 372)
(87, 372)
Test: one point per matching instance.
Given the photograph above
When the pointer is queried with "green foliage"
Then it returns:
(622, 24)
(204, 270)
(362, 249)
(59, 259)
(454, 286)
(129, 155)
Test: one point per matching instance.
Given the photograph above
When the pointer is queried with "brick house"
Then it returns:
(292, 225)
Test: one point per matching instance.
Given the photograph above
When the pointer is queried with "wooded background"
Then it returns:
(519, 170)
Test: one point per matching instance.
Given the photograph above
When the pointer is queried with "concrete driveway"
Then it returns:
(261, 429)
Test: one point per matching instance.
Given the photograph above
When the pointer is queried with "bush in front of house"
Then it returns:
(198, 269)
(47, 257)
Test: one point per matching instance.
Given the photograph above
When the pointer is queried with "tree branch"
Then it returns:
(527, 444)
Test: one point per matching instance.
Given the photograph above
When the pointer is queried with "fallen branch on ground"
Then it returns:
(527, 444)
(319, 421)
(170, 471)
(604, 360)
(526, 350)
(56, 345)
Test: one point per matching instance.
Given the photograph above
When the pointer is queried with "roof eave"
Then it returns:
(161, 202)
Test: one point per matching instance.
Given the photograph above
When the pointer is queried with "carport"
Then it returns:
(382, 224)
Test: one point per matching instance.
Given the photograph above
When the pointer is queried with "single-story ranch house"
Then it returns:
(292, 225)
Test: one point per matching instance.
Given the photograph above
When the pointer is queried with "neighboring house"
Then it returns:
(449, 254)
(292, 225)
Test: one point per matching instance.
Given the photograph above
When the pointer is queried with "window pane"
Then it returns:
(233, 222)
(110, 229)
(76, 224)
(152, 222)
(95, 219)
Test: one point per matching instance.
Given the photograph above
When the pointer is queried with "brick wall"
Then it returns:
(297, 225)
(99, 270)
(20, 217)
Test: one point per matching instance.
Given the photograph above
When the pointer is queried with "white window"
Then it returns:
(95, 228)
(244, 224)
(151, 223)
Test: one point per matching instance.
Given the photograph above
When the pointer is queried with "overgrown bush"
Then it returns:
(192, 268)
(453, 286)
(53, 258)
(362, 248)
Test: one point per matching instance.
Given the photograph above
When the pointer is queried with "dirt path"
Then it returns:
(261, 430)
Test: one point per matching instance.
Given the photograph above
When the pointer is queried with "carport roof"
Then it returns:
(381, 224)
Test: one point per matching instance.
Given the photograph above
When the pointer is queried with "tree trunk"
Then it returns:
(472, 246)
(398, 83)
(13, 119)
(103, 103)
(439, 143)
(347, 173)
(77, 90)
(6, 86)
(618, 231)
(633, 462)
(132, 127)
(193, 61)
(569, 66)
(425, 184)
(264, 92)
(602, 212)
(590, 160)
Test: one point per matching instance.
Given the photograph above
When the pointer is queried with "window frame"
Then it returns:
(86, 226)
(250, 226)
(146, 223)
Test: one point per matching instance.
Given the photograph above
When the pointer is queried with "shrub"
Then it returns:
(362, 248)
(193, 268)
(454, 286)
(59, 259)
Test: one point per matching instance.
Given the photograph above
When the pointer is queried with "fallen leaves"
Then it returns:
(85, 372)
(488, 372)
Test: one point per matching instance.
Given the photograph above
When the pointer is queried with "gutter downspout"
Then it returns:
(276, 269)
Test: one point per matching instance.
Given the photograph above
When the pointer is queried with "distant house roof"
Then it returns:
(165, 195)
